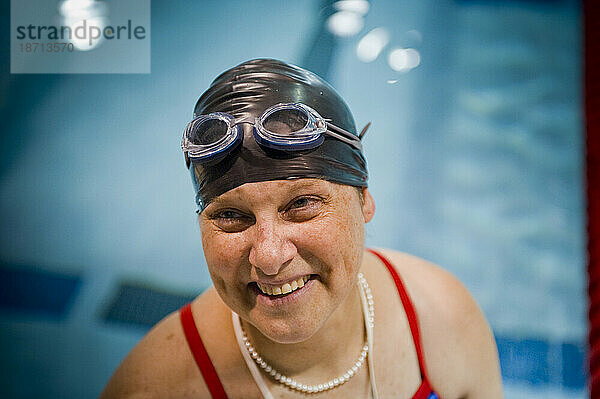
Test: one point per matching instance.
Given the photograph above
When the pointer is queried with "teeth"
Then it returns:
(285, 288)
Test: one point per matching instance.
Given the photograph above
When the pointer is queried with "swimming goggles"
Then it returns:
(285, 127)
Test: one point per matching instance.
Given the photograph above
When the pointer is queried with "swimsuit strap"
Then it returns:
(409, 309)
(258, 379)
(200, 355)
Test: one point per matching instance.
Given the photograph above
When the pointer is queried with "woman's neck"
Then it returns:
(327, 353)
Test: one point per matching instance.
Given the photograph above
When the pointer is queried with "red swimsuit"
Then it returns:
(212, 379)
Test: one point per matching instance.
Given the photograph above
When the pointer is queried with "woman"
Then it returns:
(299, 307)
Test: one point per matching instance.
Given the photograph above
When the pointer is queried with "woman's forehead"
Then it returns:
(276, 188)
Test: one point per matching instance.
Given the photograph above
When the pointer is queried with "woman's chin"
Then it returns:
(287, 331)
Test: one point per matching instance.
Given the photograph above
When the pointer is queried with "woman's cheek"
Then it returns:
(219, 244)
(220, 254)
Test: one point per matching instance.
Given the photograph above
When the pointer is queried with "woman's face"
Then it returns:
(262, 240)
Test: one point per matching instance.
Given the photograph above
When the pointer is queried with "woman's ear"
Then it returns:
(368, 206)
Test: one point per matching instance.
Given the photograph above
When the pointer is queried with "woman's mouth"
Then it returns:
(287, 293)
(275, 290)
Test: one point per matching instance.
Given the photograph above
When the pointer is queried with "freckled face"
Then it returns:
(276, 232)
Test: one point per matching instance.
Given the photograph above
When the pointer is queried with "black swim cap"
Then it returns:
(246, 91)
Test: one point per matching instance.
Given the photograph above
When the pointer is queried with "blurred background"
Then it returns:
(475, 154)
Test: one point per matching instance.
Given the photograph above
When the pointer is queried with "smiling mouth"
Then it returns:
(284, 289)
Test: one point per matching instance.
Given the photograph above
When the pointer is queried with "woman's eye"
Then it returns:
(303, 208)
(228, 215)
(231, 221)
(300, 202)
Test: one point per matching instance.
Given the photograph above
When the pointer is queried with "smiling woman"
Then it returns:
(275, 233)
(299, 306)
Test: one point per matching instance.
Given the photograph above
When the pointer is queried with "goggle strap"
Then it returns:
(341, 131)
(246, 120)
(354, 142)
(344, 136)
(362, 132)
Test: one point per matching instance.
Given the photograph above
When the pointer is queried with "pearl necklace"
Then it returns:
(367, 302)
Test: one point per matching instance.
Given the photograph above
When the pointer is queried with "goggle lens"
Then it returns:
(208, 132)
(286, 122)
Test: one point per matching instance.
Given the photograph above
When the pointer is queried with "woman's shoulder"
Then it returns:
(457, 341)
(161, 365)
(430, 287)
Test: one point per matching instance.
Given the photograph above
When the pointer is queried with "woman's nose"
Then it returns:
(271, 249)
